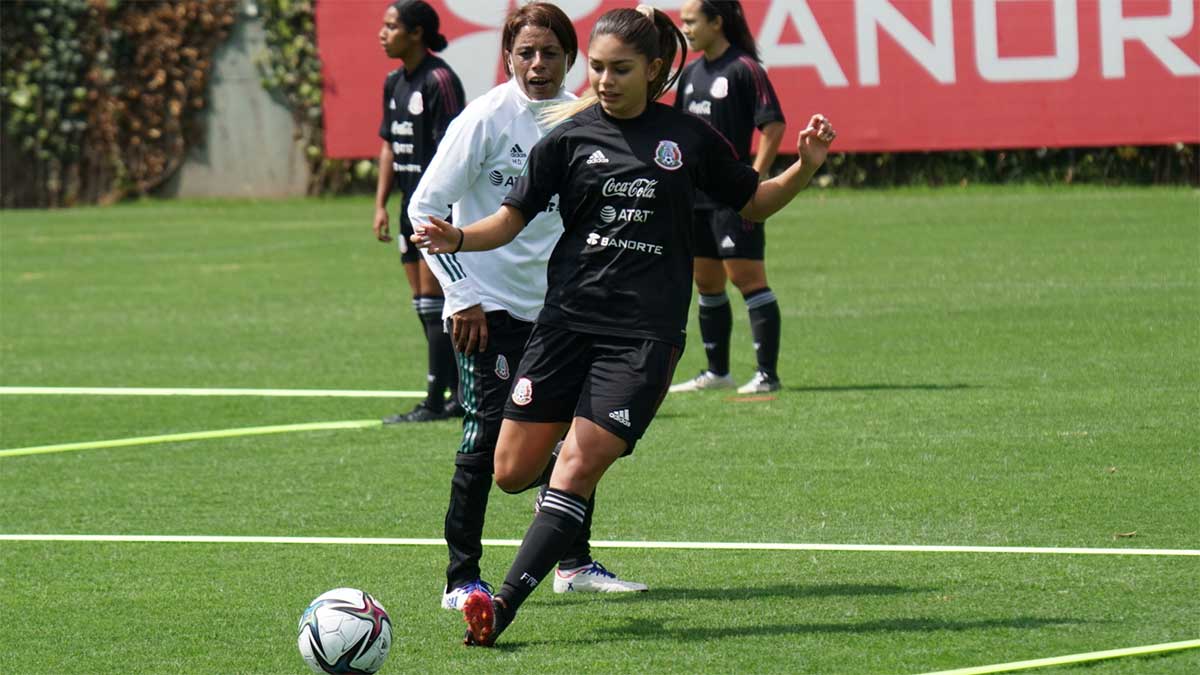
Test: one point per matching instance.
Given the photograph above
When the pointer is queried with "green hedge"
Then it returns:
(101, 99)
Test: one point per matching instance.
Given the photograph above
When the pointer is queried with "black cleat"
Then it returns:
(454, 408)
(421, 413)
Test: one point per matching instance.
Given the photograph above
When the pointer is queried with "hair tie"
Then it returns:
(646, 11)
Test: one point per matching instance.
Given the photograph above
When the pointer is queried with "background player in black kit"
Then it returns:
(419, 100)
(604, 347)
(729, 89)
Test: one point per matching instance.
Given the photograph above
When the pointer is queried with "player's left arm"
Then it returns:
(768, 147)
(767, 113)
(812, 146)
(445, 93)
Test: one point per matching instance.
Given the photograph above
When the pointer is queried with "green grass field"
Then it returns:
(981, 367)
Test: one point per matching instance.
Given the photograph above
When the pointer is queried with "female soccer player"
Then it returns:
(419, 100)
(492, 298)
(730, 90)
(605, 344)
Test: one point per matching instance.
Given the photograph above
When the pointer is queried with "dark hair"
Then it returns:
(419, 14)
(654, 36)
(542, 15)
(733, 24)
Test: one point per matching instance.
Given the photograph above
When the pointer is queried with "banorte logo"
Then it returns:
(464, 52)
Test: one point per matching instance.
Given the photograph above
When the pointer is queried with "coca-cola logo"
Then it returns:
(639, 188)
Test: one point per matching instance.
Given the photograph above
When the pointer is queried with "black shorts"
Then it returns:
(485, 380)
(409, 253)
(616, 382)
(723, 233)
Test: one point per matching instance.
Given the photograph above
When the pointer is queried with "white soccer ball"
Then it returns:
(345, 631)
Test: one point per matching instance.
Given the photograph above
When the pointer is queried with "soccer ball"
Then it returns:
(344, 631)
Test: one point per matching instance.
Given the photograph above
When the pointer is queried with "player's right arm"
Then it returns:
(382, 189)
(491, 232)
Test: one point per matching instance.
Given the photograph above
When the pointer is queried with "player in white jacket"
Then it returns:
(493, 297)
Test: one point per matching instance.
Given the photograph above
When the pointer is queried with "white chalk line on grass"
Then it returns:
(176, 391)
(190, 436)
(1073, 658)
(694, 545)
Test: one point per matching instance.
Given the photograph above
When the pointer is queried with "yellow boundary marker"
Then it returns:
(200, 391)
(191, 436)
(1073, 658)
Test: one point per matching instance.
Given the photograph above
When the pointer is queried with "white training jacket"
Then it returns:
(477, 162)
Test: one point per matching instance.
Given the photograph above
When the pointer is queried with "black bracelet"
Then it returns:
(462, 236)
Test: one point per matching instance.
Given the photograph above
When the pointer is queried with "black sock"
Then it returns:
(464, 524)
(554, 529)
(439, 351)
(765, 325)
(716, 325)
(579, 553)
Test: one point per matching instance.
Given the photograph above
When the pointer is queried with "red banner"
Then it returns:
(892, 75)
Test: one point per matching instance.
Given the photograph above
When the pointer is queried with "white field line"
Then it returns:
(694, 545)
(175, 391)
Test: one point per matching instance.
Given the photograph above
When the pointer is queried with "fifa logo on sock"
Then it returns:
(529, 580)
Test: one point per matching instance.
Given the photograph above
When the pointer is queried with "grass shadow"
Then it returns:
(792, 591)
(639, 629)
(884, 387)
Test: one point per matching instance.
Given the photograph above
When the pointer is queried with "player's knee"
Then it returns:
(511, 479)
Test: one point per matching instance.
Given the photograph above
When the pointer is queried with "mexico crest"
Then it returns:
(668, 156)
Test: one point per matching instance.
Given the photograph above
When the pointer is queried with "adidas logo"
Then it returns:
(727, 242)
(599, 158)
(621, 415)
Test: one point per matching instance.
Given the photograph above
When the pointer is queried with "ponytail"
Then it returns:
(652, 34)
(671, 43)
(419, 14)
(734, 26)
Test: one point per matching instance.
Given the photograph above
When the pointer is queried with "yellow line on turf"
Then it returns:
(189, 391)
(191, 436)
(693, 545)
(1072, 658)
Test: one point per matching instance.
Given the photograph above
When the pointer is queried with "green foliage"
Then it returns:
(291, 67)
(100, 100)
(1128, 165)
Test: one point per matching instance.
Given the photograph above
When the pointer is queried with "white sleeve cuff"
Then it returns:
(460, 295)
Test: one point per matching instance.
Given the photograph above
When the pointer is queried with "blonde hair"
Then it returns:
(652, 34)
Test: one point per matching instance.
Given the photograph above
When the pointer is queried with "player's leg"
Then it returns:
(555, 526)
(714, 313)
(626, 382)
(428, 306)
(486, 377)
(748, 273)
(443, 373)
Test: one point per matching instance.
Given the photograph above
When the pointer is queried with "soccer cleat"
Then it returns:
(484, 620)
(593, 578)
(454, 408)
(421, 413)
(761, 383)
(707, 379)
(453, 599)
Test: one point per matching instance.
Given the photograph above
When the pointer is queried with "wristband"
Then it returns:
(462, 236)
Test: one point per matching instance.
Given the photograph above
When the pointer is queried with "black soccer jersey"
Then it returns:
(417, 108)
(626, 191)
(731, 93)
